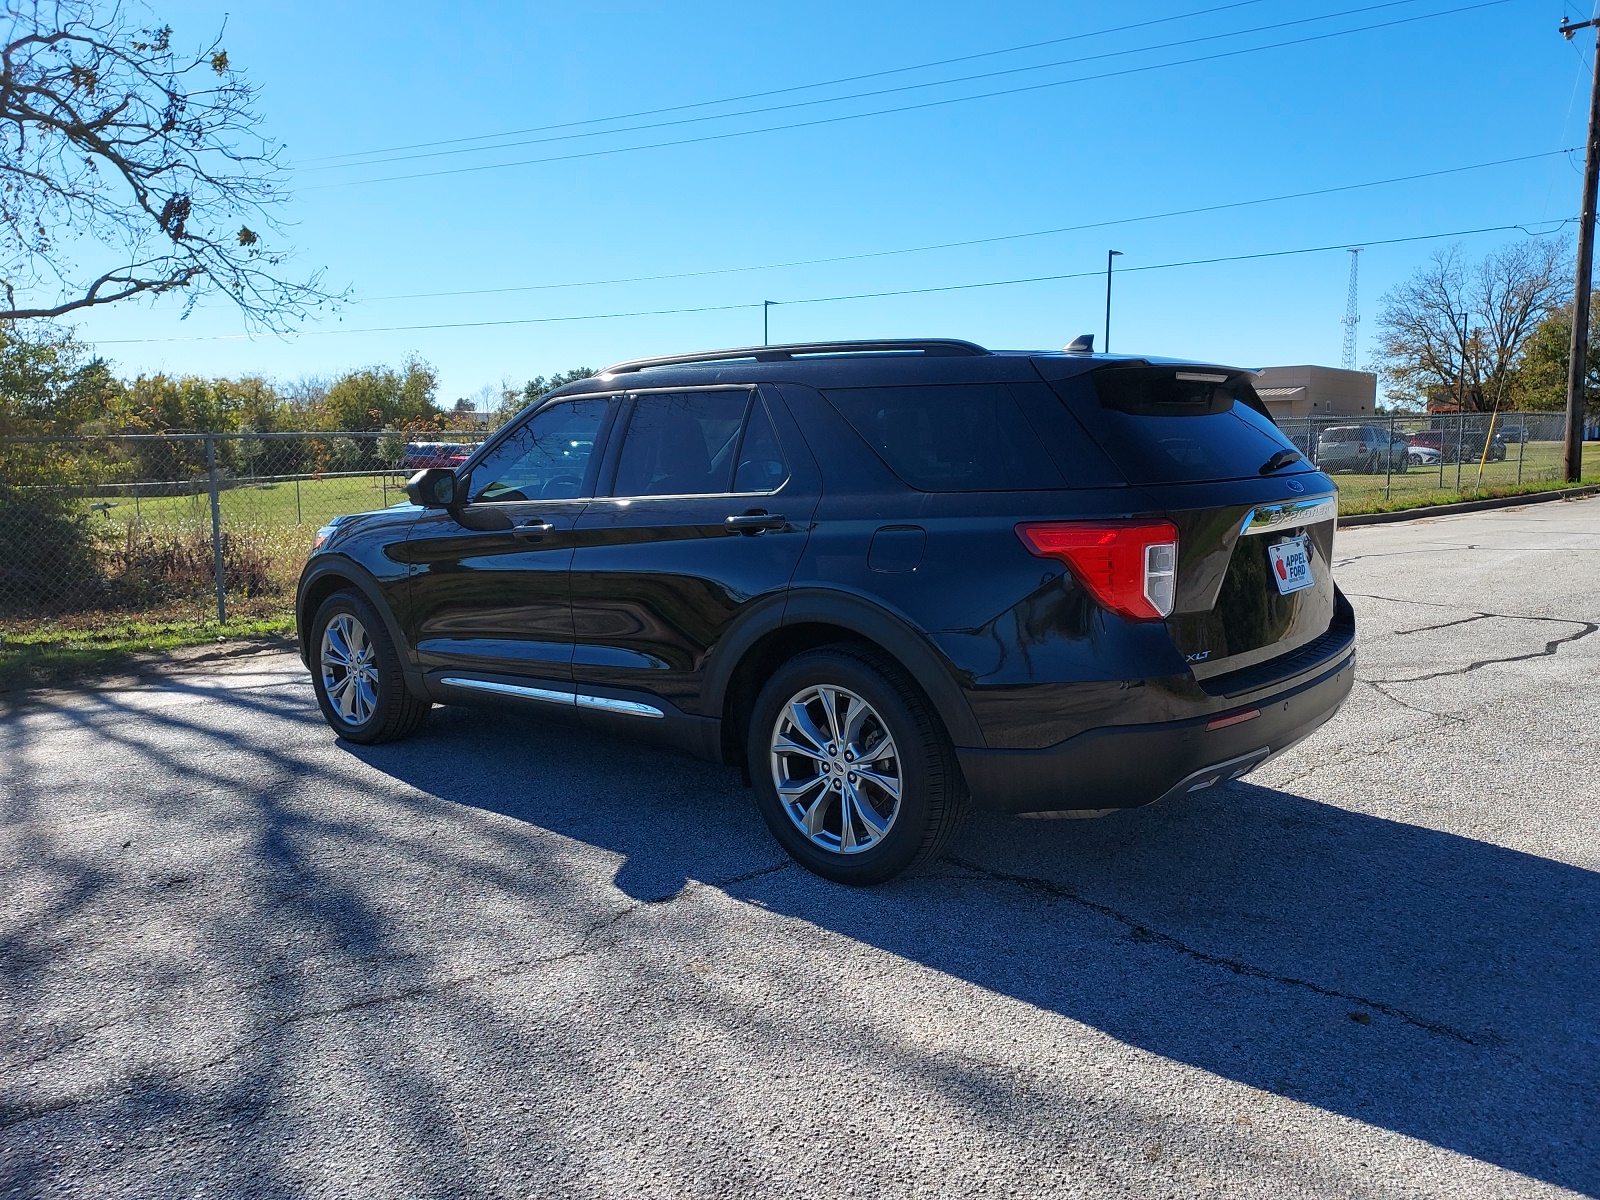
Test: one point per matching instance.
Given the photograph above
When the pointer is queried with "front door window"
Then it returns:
(546, 458)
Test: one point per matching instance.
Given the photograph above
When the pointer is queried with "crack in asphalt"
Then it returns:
(1550, 648)
(1435, 548)
(1549, 651)
(1144, 933)
(1368, 748)
(1448, 718)
(1446, 547)
(1442, 625)
(588, 943)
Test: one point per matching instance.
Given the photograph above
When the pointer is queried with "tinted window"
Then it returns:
(958, 438)
(1160, 427)
(544, 458)
(761, 466)
(681, 444)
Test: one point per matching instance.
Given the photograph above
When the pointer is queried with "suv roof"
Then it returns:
(884, 362)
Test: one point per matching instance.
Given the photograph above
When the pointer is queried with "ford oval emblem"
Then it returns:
(1294, 485)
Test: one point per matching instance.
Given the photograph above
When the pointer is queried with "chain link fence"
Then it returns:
(184, 526)
(197, 526)
(1377, 461)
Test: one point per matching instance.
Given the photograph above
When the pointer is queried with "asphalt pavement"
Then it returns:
(240, 958)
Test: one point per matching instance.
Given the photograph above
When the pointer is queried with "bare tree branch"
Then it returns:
(1460, 329)
(129, 169)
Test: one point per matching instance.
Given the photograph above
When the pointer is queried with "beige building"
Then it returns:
(1317, 392)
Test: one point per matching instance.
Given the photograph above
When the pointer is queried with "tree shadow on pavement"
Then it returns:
(1444, 988)
(356, 954)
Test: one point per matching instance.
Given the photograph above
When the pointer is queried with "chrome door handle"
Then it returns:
(754, 522)
(533, 528)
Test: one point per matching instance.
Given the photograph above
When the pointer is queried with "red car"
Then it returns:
(420, 456)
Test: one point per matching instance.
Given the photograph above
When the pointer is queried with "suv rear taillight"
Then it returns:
(1130, 567)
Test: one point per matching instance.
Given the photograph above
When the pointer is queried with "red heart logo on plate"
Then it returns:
(1283, 571)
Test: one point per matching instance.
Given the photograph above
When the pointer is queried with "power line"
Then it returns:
(918, 291)
(802, 87)
(819, 121)
(982, 241)
(909, 87)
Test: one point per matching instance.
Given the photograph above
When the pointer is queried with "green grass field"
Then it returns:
(1540, 471)
(306, 502)
(53, 655)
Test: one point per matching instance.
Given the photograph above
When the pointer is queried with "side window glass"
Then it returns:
(545, 458)
(681, 444)
(761, 466)
(951, 437)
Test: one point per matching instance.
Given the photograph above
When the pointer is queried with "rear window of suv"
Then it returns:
(1344, 434)
(1176, 425)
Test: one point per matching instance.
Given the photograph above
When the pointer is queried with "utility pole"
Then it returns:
(1578, 363)
(1105, 347)
(765, 306)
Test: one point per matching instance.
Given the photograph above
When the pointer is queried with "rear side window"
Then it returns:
(1171, 425)
(951, 438)
(761, 467)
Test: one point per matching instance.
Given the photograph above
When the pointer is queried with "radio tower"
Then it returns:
(1351, 316)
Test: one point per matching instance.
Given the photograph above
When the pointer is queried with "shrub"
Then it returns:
(48, 552)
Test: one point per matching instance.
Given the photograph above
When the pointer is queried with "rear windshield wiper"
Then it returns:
(1280, 460)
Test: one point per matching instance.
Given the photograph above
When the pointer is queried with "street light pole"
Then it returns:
(1578, 362)
(1105, 347)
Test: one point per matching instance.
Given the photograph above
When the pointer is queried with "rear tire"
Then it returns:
(870, 785)
(356, 673)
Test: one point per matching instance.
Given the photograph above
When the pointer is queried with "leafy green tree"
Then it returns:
(391, 446)
(185, 404)
(1540, 380)
(378, 396)
(49, 382)
(539, 387)
(536, 389)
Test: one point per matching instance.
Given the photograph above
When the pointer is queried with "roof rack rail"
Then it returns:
(928, 347)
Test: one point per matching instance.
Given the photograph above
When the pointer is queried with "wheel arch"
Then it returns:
(335, 573)
(775, 633)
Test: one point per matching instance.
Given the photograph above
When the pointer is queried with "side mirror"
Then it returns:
(435, 487)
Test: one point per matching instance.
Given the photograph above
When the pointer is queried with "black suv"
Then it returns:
(885, 579)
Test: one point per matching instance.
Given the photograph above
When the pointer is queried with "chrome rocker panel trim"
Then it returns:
(628, 708)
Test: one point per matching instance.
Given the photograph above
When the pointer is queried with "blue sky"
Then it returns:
(1470, 87)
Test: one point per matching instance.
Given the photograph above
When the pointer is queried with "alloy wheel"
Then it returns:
(349, 669)
(836, 769)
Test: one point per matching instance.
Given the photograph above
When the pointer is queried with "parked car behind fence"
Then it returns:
(420, 456)
(1368, 449)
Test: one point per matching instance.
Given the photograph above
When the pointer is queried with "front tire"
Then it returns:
(356, 673)
(853, 772)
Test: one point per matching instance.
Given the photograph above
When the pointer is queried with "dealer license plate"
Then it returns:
(1291, 566)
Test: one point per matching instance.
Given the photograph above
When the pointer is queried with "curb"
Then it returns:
(1468, 506)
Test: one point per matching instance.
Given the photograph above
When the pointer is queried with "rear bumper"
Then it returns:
(1127, 766)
